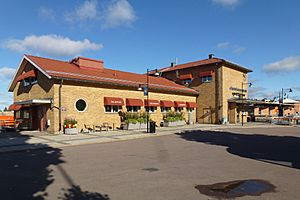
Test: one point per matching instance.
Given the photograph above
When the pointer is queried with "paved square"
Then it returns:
(165, 167)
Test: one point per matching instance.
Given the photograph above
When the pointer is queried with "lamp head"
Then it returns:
(156, 73)
(140, 88)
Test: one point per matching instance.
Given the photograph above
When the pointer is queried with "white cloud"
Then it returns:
(261, 93)
(297, 88)
(232, 47)
(223, 45)
(119, 13)
(86, 11)
(6, 99)
(227, 3)
(6, 73)
(51, 45)
(288, 64)
(46, 13)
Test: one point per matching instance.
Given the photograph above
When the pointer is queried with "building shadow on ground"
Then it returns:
(27, 174)
(279, 150)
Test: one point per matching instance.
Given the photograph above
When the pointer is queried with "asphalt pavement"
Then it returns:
(164, 167)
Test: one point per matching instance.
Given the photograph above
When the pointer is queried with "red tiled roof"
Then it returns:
(67, 70)
(201, 63)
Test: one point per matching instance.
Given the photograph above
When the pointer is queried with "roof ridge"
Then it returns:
(47, 58)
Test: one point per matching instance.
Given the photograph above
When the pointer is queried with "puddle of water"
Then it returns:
(236, 188)
(151, 169)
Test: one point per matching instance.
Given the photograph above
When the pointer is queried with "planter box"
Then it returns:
(177, 123)
(132, 126)
(144, 125)
(71, 131)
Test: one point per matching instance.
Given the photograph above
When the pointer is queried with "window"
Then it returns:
(178, 109)
(205, 79)
(33, 80)
(29, 81)
(133, 108)
(190, 109)
(113, 109)
(22, 114)
(165, 109)
(151, 109)
(26, 82)
(81, 105)
(187, 81)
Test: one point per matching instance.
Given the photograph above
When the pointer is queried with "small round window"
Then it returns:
(80, 105)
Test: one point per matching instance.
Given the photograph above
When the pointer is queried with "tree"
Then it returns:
(5, 109)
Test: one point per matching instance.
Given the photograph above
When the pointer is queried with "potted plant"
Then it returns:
(131, 120)
(135, 121)
(174, 119)
(143, 120)
(70, 126)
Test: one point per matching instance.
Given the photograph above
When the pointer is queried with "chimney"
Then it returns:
(87, 63)
(172, 64)
(210, 56)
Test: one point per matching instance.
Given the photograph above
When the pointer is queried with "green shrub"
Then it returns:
(135, 117)
(71, 121)
(173, 116)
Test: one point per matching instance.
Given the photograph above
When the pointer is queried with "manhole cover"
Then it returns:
(236, 188)
(151, 169)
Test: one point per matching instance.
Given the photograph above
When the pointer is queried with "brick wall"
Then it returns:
(231, 78)
(94, 97)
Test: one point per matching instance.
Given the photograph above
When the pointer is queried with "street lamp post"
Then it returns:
(280, 114)
(249, 84)
(146, 93)
(147, 110)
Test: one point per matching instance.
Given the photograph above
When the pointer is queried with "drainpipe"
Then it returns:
(59, 105)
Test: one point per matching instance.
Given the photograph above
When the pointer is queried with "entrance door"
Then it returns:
(39, 117)
(207, 116)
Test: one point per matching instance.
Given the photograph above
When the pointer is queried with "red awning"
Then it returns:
(166, 104)
(28, 74)
(179, 104)
(185, 76)
(134, 102)
(113, 101)
(14, 107)
(206, 73)
(191, 104)
(154, 103)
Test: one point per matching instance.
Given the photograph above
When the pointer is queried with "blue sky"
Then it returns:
(133, 35)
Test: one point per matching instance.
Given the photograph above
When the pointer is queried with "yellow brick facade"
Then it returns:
(94, 95)
(232, 78)
(95, 112)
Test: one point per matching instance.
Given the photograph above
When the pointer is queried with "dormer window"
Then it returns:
(206, 79)
(33, 80)
(26, 82)
(28, 78)
(186, 78)
(206, 76)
